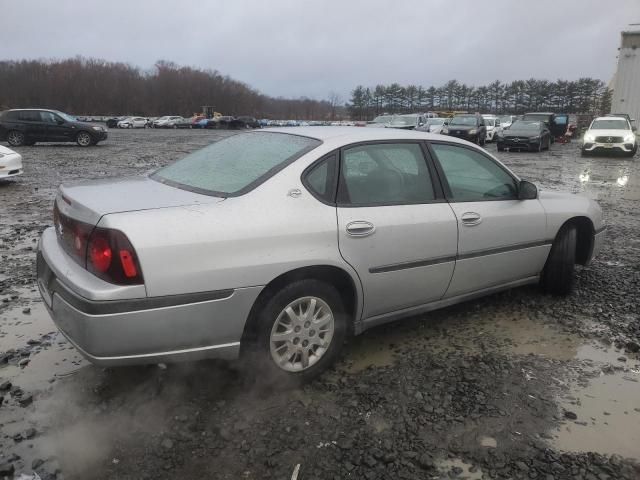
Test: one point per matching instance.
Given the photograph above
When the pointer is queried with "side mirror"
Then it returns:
(527, 191)
(59, 121)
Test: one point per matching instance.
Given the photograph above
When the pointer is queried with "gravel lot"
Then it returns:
(516, 385)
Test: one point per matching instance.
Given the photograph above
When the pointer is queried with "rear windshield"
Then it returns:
(235, 165)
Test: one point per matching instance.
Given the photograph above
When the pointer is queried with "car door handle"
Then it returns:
(471, 219)
(360, 228)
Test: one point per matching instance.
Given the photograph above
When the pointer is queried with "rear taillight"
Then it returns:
(111, 256)
(105, 252)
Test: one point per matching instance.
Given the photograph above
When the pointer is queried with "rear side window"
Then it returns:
(321, 179)
(472, 177)
(29, 115)
(236, 164)
(382, 174)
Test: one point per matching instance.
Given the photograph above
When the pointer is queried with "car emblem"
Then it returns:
(609, 140)
(516, 139)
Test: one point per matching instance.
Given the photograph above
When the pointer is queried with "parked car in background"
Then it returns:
(434, 125)
(468, 127)
(30, 125)
(624, 115)
(406, 122)
(610, 134)
(10, 163)
(168, 121)
(113, 121)
(558, 123)
(243, 122)
(182, 123)
(380, 121)
(525, 135)
(493, 126)
(133, 122)
(280, 260)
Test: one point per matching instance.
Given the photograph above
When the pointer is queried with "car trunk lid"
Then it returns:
(88, 201)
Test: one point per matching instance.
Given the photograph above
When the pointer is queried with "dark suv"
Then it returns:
(468, 127)
(28, 126)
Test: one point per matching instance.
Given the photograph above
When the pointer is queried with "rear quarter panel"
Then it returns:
(240, 242)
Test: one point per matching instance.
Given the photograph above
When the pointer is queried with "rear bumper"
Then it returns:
(142, 330)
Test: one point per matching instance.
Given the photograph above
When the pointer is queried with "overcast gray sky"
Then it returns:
(309, 48)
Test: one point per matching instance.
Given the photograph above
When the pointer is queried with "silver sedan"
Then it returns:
(282, 242)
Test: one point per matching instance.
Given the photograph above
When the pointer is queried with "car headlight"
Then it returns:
(97, 128)
(445, 131)
(473, 131)
(629, 138)
(535, 138)
(588, 137)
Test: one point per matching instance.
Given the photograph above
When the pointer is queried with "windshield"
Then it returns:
(382, 119)
(67, 117)
(506, 119)
(402, 120)
(236, 164)
(536, 116)
(435, 121)
(613, 124)
(520, 125)
(463, 121)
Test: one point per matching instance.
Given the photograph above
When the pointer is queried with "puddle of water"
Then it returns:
(462, 469)
(59, 359)
(607, 407)
(518, 332)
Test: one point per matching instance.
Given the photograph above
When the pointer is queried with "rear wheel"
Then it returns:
(15, 138)
(558, 274)
(84, 139)
(300, 332)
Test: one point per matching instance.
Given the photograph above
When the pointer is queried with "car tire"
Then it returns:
(558, 274)
(16, 138)
(272, 318)
(84, 139)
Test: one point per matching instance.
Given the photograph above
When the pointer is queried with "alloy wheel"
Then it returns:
(84, 139)
(15, 139)
(301, 334)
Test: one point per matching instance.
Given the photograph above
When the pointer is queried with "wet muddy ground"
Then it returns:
(516, 385)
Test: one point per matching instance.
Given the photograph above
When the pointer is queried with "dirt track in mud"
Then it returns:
(516, 385)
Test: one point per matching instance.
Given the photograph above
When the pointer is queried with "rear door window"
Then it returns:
(384, 174)
(29, 116)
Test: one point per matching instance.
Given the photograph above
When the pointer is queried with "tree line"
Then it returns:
(585, 95)
(88, 86)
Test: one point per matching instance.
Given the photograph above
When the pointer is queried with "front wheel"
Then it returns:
(300, 331)
(84, 139)
(15, 138)
(558, 274)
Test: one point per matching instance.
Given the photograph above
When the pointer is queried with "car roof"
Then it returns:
(610, 117)
(347, 135)
(31, 109)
